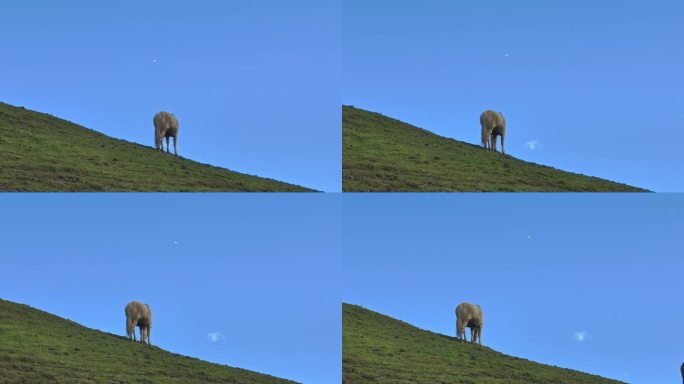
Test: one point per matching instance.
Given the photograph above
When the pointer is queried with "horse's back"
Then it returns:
(490, 118)
(167, 122)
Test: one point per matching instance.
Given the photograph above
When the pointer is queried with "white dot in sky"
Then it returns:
(506, 54)
(529, 236)
(154, 60)
(175, 243)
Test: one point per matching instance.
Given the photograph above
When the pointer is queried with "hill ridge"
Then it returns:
(380, 349)
(39, 347)
(384, 154)
(40, 152)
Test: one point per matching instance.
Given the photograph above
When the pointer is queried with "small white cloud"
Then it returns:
(175, 242)
(215, 337)
(154, 60)
(581, 336)
(506, 54)
(533, 144)
(529, 236)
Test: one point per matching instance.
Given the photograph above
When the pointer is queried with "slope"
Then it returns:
(39, 152)
(37, 347)
(381, 154)
(380, 349)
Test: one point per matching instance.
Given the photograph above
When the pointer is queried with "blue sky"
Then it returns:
(262, 271)
(593, 86)
(547, 269)
(255, 84)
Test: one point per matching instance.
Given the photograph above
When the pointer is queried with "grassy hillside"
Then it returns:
(39, 152)
(380, 349)
(384, 154)
(37, 347)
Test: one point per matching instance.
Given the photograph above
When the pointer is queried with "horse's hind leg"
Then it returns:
(129, 333)
(168, 149)
(175, 148)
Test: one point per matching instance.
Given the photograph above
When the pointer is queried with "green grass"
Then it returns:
(39, 152)
(380, 349)
(381, 154)
(37, 347)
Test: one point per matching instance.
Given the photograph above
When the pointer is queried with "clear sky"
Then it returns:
(589, 282)
(245, 280)
(255, 84)
(587, 86)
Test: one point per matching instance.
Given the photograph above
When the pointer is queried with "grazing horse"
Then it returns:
(469, 315)
(138, 315)
(493, 125)
(165, 126)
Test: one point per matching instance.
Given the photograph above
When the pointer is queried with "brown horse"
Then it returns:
(165, 126)
(493, 125)
(469, 315)
(140, 315)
